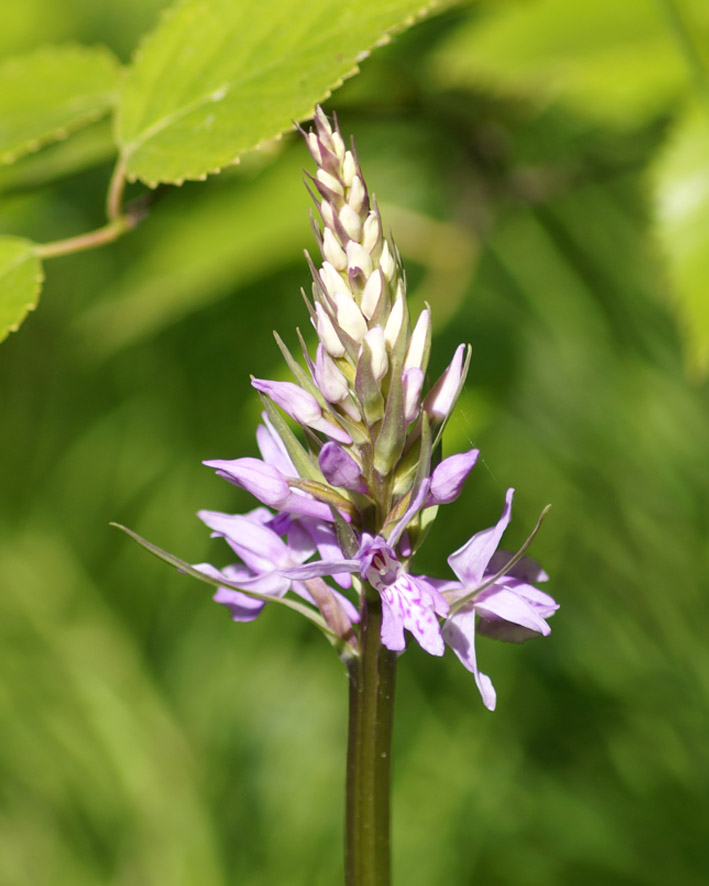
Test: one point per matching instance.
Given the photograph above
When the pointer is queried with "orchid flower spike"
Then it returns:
(350, 475)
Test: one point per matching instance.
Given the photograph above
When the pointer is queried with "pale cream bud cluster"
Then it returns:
(370, 365)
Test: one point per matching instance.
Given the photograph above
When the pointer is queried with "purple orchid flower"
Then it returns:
(508, 607)
(267, 478)
(409, 602)
(265, 556)
(301, 406)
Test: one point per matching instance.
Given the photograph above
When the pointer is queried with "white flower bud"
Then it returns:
(332, 251)
(338, 146)
(371, 294)
(326, 333)
(358, 258)
(327, 213)
(357, 194)
(349, 169)
(330, 182)
(412, 383)
(331, 279)
(321, 117)
(441, 398)
(371, 231)
(314, 145)
(417, 345)
(386, 262)
(349, 316)
(394, 322)
(351, 222)
(377, 345)
(330, 381)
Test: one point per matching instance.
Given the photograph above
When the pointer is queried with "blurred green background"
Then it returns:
(144, 737)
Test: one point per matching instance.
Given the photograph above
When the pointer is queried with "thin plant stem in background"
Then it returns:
(344, 505)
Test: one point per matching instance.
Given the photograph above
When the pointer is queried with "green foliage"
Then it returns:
(218, 78)
(20, 281)
(615, 61)
(49, 93)
(681, 175)
(213, 81)
(622, 64)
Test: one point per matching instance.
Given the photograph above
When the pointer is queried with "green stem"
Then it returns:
(372, 678)
(119, 222)
(100, 237)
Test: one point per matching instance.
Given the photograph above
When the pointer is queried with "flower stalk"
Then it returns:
(371, 715)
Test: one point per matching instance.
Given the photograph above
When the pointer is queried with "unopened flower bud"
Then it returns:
(314, 146)
(377, 346)
(330, 182)
(331, 279)
(358, 259)
(330, 381)
(332, 251)
(448, 477)
(327, 334)
(417, 353)
(327, 213)
(394, 322)
(351, 222)
(371, 294)
(340, 469)
(349, 316)
(386, 262)
(441, 398)
(412, 382)
(371, 231)
(349, 169)
(357, 194)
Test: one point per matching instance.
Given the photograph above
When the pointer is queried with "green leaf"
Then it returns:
(49, 93)
(86, 149)
(681, 182)
(616, 61)
(20, 282)
(219, 77)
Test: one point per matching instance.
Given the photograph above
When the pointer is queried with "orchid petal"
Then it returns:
(241, 606)
(257, 545)
(319, 568)
(272, 449)
(263, 481)
(459, 634)
(501, 604)
(470, 562)
(526, 569)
